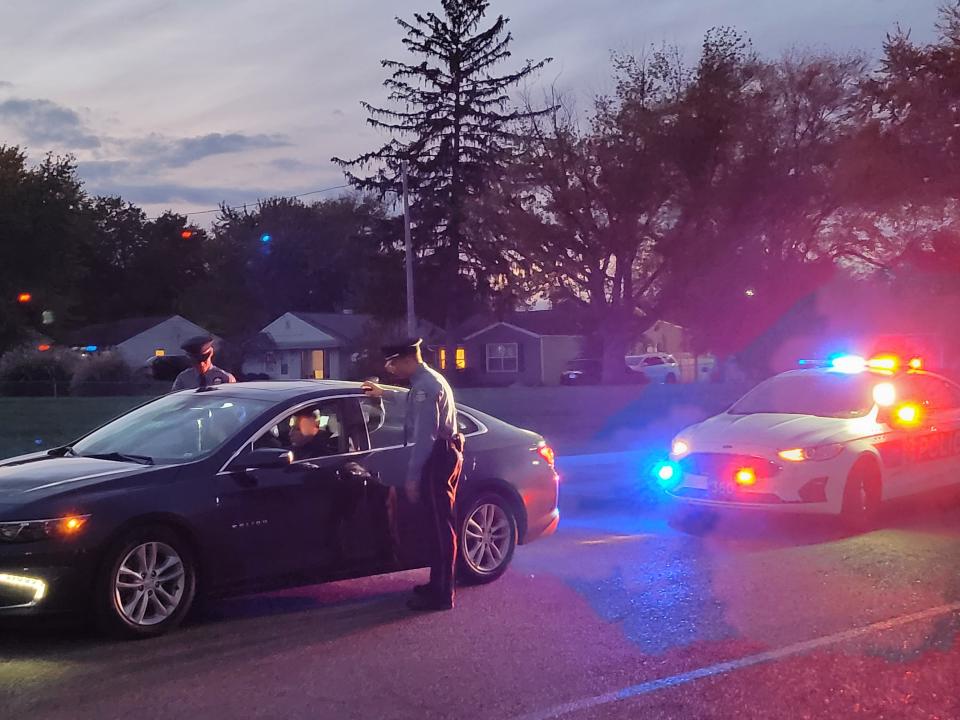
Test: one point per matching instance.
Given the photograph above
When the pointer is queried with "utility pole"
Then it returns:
(408, 253)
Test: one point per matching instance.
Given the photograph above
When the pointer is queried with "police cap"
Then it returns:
(198, 347)
(404, 349)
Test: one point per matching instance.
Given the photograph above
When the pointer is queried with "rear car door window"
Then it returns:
(385, 419)
(650, 362)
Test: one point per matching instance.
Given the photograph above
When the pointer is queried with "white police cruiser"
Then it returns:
(838, 438)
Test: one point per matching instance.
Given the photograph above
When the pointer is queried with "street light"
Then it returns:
(24, 298)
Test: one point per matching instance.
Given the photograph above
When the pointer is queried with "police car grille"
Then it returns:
(723, 464)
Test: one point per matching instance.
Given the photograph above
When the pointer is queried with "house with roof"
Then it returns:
(527, 348)
(306, 345)
(136, 340)
(333, 346)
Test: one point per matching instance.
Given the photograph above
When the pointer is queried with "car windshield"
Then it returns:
(173, 429)
(832, 395)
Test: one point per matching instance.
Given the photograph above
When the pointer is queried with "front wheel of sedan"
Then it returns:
(147, 583)
(488, 538)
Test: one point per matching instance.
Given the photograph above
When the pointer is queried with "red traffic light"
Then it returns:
(24, 297)
(186, 234)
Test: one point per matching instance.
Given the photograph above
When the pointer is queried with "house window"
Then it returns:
(502, 358)
(159, 352)
(460, 358)
(270, 362)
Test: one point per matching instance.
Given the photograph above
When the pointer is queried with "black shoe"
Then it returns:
(422, 603)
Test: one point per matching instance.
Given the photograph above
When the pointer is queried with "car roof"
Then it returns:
(867, 372)
(280, 390)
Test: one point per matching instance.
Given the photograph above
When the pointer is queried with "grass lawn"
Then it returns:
(31, 423)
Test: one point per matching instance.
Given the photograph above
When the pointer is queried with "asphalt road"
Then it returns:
(617, 616)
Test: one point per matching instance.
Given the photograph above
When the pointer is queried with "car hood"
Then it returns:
(770, 431)
(33, 476)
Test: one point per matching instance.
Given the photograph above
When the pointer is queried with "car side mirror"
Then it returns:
(885, 416)
(261, 459)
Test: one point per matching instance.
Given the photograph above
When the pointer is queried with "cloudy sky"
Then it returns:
(184, 103)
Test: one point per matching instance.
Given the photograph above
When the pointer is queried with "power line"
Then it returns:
(243, 205)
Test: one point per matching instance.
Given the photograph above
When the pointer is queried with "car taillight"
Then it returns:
(546, 452)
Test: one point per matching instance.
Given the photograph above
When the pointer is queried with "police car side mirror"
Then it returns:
(885, 416)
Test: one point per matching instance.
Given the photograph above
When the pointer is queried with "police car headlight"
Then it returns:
(679, 449)
(819, 453)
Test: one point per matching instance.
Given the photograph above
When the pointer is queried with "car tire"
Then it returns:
(862, 496)
(160, 559)
(488, 539)
(671, 379)
(693, 521)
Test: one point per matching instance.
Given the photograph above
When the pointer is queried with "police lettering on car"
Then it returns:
(433, 472)
(203, 373)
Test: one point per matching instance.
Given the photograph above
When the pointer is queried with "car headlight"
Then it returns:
(679, 449)
(33, 530)
(816, 454)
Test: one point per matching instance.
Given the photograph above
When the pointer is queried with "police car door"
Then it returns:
(942, 448)
(929, 451)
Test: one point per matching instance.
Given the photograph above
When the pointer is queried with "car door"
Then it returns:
(939, 448)
(289, 520)
(926, 456)
(388, 462)
(654, 368)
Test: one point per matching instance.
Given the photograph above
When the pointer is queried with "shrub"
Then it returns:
(31, 372)
(105, 374)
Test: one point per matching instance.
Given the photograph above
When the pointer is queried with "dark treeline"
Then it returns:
(716, 193)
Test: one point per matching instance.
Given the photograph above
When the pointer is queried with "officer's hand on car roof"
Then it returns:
(371, 389)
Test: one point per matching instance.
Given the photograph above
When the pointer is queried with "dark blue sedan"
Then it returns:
(247, 487)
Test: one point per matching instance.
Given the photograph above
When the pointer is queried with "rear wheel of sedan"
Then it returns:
(488, 538)
(147, 583)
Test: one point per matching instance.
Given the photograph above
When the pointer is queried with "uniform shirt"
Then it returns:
(431, 415)
(189, 379)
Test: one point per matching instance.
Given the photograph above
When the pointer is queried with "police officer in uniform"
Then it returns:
(435, 463)
(203, 373)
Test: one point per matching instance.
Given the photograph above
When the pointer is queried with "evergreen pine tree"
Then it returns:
(452, 121)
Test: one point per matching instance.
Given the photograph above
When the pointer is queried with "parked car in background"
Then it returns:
(656, 367)
(589, 371)
(583, 371)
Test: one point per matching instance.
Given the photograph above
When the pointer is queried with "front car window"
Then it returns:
(175, 428)
(318, 430)
(832, 395)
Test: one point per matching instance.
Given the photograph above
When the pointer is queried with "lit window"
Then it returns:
(461, 358)
(159, 352)
(442, 358)
(502, 358)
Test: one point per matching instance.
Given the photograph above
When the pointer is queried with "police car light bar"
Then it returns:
(848, 363)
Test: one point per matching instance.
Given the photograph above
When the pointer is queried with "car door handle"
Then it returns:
(245, 479)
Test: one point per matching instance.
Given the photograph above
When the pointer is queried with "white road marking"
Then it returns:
(729, 666)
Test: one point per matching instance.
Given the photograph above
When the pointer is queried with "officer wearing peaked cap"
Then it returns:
(436, 459)
(203, 373)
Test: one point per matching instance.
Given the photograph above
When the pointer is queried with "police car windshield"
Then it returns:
(831, 395)
(173, 429)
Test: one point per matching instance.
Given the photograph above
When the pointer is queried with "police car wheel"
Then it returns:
(488, 538)
(146, 585)
(694, 521)
(861, 496)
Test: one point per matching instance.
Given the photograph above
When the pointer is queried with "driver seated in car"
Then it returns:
(308, 440)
